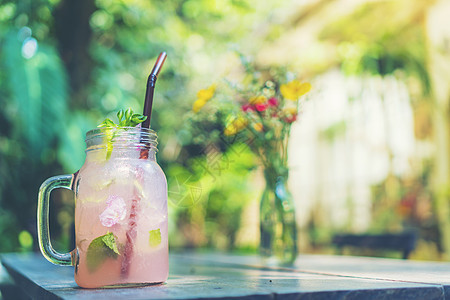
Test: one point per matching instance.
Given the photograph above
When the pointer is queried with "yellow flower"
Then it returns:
(203, 96)
(235, 126)
(257, 100)
(198, 104)
(294, 89)
(290, 111)
(258, 127)
(206, 94)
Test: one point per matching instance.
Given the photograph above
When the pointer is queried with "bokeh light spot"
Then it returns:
(24, 33)
(25, 239)
(7, 11)
(29, 47)
(127, 81)
(109, 102)
(101, 20)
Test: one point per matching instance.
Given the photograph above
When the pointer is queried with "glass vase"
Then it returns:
(277, 220)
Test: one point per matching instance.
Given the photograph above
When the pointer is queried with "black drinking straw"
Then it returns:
(131, 231)
(151, 81)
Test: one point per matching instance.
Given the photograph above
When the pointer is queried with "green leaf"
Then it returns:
(109, 149)
(138, 116)
(38, 89)
(107, 123)
(155, 237)
(126, 119)
(109, 142)
(110, 240)
(120, 114)
(136, 120)
(128, 113)
(100, 249)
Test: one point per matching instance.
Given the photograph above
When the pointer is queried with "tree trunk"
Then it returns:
(73, 31)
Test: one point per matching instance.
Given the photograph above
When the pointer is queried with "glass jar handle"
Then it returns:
(62, 181)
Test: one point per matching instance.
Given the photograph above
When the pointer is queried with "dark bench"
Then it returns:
(404, 242)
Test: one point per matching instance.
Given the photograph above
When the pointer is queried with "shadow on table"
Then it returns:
(11, 292)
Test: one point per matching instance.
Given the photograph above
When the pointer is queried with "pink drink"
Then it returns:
(120, 213)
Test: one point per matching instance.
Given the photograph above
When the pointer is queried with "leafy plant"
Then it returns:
(264, 106)
(34, 96)
(127, 119)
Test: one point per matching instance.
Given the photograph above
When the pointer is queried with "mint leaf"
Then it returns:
(155, 237)
(120, 114)
(109, 142)
(109, 149)
(126, 119)
(107, 123)
(128, 113)
(110, 241)
(100, 249)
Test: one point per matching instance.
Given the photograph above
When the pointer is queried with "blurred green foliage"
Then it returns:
(34, 96)
(367, 45)
(66, 65)
(207, 195)
(69, 64)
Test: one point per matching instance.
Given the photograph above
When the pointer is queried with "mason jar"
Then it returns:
(120, 211)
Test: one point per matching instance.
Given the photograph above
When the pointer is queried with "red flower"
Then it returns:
(247, 107)
(291, 118)
(261, 106)
(273, 101)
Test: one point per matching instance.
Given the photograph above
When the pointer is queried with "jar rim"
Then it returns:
(101, 131)
(121, 138)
